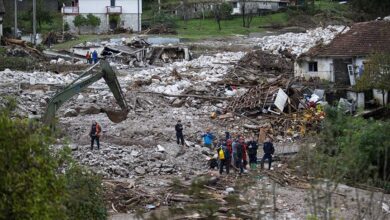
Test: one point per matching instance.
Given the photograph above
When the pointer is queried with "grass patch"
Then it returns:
(208, 28)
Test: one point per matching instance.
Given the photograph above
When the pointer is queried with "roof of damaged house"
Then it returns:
(361, 40)
(2, 9)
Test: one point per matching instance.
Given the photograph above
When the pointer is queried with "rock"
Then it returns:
(160, 148)
(140, 170)
(229, 190)
(178, 103)
(205, 151)
(158, 156)
(134, 153)
(90, 110)
(70, 113)
(167, 170)
(60, 61)
(74, 147)
(53, 61)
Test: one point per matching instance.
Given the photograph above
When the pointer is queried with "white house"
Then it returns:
(2, 12)
(128, 11)
(342, 61)
(258, 5)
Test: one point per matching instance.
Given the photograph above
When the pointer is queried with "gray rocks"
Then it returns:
(71, 113)
(140, 170)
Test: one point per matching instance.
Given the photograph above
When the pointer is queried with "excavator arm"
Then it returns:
(82, 82)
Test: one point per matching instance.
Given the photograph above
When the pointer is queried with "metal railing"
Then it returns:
(70, 10)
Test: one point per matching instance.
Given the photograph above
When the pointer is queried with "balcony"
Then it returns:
(70, 10)
(114, 9)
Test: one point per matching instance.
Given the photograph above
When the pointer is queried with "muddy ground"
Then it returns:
(146, 174)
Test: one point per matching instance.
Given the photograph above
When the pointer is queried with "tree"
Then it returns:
(93, 20)
(31, 184)
(373, 7)
(247, 13)
(376, 74)
(79, 21)
(218, 15)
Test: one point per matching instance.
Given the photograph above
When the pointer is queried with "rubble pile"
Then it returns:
(201, 71)
(258, 64)
(298, 43)
(124, 162)
(283, 109)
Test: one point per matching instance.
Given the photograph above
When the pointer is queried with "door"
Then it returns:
(341, 75)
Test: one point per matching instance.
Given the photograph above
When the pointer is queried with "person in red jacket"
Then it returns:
(244, 146)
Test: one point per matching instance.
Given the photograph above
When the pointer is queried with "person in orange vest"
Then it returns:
(95, 134)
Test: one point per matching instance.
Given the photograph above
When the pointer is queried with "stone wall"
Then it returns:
(128, 21)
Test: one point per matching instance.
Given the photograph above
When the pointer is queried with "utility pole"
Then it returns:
(35, 22)
(16, 19)
(138, 23)
(159, 6)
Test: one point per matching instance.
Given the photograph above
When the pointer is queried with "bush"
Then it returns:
(352, 149)
(165, 19)
(31, 184)
(226, 11)
(92, 20)
(79, 21)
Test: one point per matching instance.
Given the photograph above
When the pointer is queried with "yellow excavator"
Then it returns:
(82, 82)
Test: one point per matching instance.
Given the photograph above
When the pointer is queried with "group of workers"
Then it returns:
(232, 151)
(91, 57)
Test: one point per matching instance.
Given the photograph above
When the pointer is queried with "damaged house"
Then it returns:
(343, 59)
(112, 13)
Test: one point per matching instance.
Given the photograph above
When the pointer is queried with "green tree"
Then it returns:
(226, 10)
(92, 20)
(376, 74)
(373, 7)
(79, 21)
(31, 184)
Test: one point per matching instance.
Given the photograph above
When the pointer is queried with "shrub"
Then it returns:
(92, 20)
(31, 184)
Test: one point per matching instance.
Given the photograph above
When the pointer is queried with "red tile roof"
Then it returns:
(361, 40)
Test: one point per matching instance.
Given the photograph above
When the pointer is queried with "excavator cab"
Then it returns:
(82, 82)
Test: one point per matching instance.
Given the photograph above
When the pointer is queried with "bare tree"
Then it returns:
(247, 12)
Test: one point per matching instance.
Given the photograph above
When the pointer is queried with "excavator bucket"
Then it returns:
(116, 116)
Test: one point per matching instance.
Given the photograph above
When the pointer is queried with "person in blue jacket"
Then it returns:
(208, 138)
(95, 56)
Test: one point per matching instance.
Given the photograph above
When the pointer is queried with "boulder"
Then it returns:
(140, 170)
(71, 113)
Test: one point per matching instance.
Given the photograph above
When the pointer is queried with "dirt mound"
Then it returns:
(258, 64)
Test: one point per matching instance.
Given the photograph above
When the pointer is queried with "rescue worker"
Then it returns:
(223, 156)
(208, 138)
(88, 57)
(95, 56)
(179, 133)
(238, 155)
(95, 134)
(268, 149)
(252, 152)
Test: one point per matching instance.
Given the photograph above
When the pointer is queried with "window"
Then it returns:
(235, 5)
(313, 67)
(112, 3)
